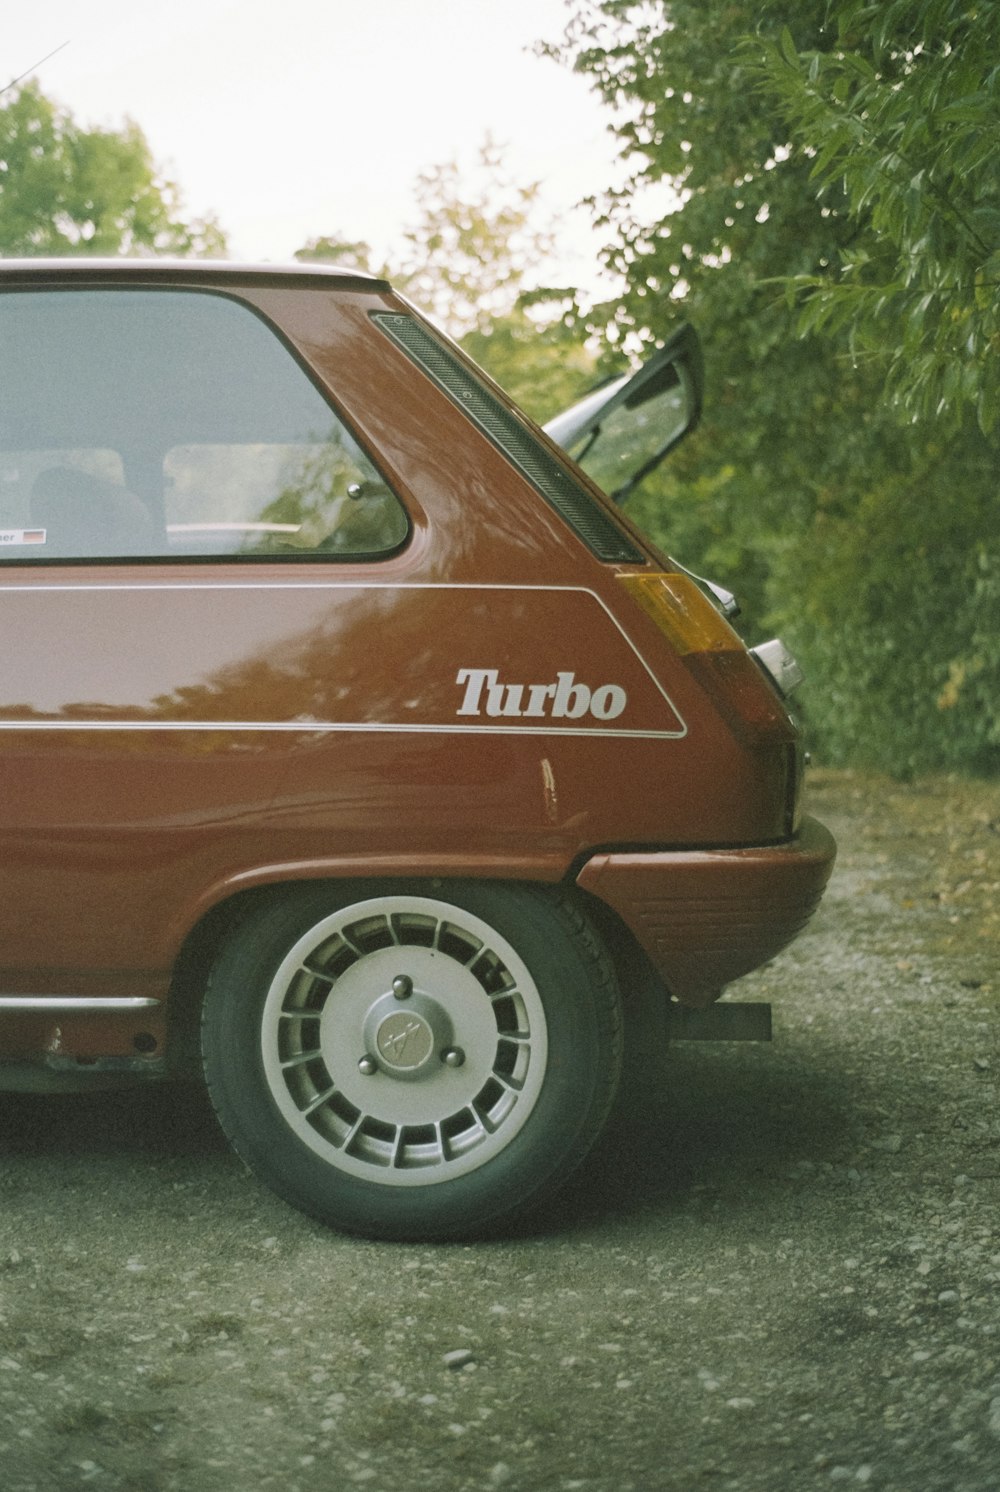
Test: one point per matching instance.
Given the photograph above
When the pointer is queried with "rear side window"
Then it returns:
(166, 424)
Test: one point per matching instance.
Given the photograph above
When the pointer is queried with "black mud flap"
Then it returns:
(740, 1021)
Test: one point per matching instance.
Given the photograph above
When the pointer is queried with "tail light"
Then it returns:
(714, 654)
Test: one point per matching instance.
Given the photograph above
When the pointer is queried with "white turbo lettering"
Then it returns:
(608, 702)
(474, 679)
(565, 699)
(537, 695)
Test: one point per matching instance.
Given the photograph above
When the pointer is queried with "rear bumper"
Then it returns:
(705, 917)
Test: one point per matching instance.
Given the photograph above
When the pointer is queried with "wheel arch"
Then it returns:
(384, 1146)
(198, 952)
(642, 991)
(645, 997)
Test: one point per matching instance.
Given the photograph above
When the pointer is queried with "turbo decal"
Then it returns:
(565, 699)
(310, 658)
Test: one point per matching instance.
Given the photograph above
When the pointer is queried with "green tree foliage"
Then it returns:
(537, 351)
(69, 190)
(870, 541)
(473, 245)
(901, 112)
(471, 260)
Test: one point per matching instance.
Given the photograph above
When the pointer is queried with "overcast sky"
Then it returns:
(294, 118)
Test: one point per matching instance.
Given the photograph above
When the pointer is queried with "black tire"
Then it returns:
(407, 1060)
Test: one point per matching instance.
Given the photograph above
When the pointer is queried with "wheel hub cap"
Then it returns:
(404, 1041)
(407, 1039)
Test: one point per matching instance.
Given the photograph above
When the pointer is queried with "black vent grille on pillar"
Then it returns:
(573, 503)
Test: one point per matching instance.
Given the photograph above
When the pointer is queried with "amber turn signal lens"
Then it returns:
(682, 613)
(714, 654)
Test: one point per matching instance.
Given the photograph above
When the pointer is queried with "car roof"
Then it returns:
(191, 271)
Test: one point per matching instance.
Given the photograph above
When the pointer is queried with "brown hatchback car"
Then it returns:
(346, 722)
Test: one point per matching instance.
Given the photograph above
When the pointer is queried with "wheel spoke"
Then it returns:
(319, 1101)
(301, 1059)
(511, 1084)
(352, 1134)
(479, 1122)
(316, 972)
(486, 1124)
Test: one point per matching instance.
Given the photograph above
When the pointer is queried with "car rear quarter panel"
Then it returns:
(175, 734)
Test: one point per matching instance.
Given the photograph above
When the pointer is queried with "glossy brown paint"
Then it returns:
(708, 916)
(175, 734)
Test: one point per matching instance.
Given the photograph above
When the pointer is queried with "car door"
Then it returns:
(165, 460)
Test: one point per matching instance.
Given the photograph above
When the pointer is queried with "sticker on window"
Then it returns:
(22, 535)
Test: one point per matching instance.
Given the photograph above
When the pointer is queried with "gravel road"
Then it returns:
(781, 1271)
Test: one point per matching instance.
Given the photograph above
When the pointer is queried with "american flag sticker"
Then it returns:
(22, 536)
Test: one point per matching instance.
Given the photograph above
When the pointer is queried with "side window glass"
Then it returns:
(167, 424)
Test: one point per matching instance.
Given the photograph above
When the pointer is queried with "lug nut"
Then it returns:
(368, 1066)
(402, 986)
(453, 1056)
